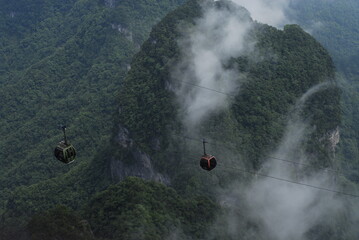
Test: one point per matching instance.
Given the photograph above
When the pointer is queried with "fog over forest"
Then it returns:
(271, 88)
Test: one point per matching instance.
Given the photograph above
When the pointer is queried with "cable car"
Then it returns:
(207, 162)
(64, 151)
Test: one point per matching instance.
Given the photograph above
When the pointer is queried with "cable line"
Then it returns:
(231, 95)
(282, 179)
(306, 165)
(210, 89)
(291, 181)
(225, 145)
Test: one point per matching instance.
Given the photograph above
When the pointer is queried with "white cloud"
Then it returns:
(216, 38)
(272, 12)
(282, 208)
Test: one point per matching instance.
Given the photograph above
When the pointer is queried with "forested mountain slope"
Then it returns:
(132, 209)
(335, 25)
(62, 63)
(65, 69)
(291, 63)
(279, 81)
(283, 67)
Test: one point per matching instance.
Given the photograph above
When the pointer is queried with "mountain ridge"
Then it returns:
(253, 124)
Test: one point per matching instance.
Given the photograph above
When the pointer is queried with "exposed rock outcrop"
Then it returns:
(110, 3)
(333, 138)
(141, 164)
(127, 33)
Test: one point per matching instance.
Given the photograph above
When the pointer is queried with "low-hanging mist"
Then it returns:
(282, 209)
(289, 211)
(216, 38)
(272, 12)
(205, 53)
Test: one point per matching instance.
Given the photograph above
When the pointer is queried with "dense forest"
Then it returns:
(97, 67)
(259, 120)
(333, 24)
(62, 63)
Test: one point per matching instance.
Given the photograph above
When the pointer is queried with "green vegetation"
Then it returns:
(135, 209)
(334, 24)
(73, 82)
(62, 63)
(78, 76)
(132, 209)
(146, 82)
(59, 223)
(258, 113)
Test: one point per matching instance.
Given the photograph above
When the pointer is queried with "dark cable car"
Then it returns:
(64, 151)
(208, 162)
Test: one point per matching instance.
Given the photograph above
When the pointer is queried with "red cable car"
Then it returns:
(207, 162)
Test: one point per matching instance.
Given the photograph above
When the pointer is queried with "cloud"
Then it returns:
(272, 12)
(206, 49)
(221, 34)
(314, 27)
(282, 209)
(287, 210)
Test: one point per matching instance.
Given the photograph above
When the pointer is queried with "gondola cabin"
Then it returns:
(207, 162)
(65, 153)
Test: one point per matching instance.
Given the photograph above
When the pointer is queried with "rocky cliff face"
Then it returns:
(283, 66)
(110, 3)
(334, 138)
(141, 164)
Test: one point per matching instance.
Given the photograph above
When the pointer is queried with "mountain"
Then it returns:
(292, 63)
(52, 70)
(282, 76)
(334, 25)
(62, 63)
(133, 209)
(271, 94)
